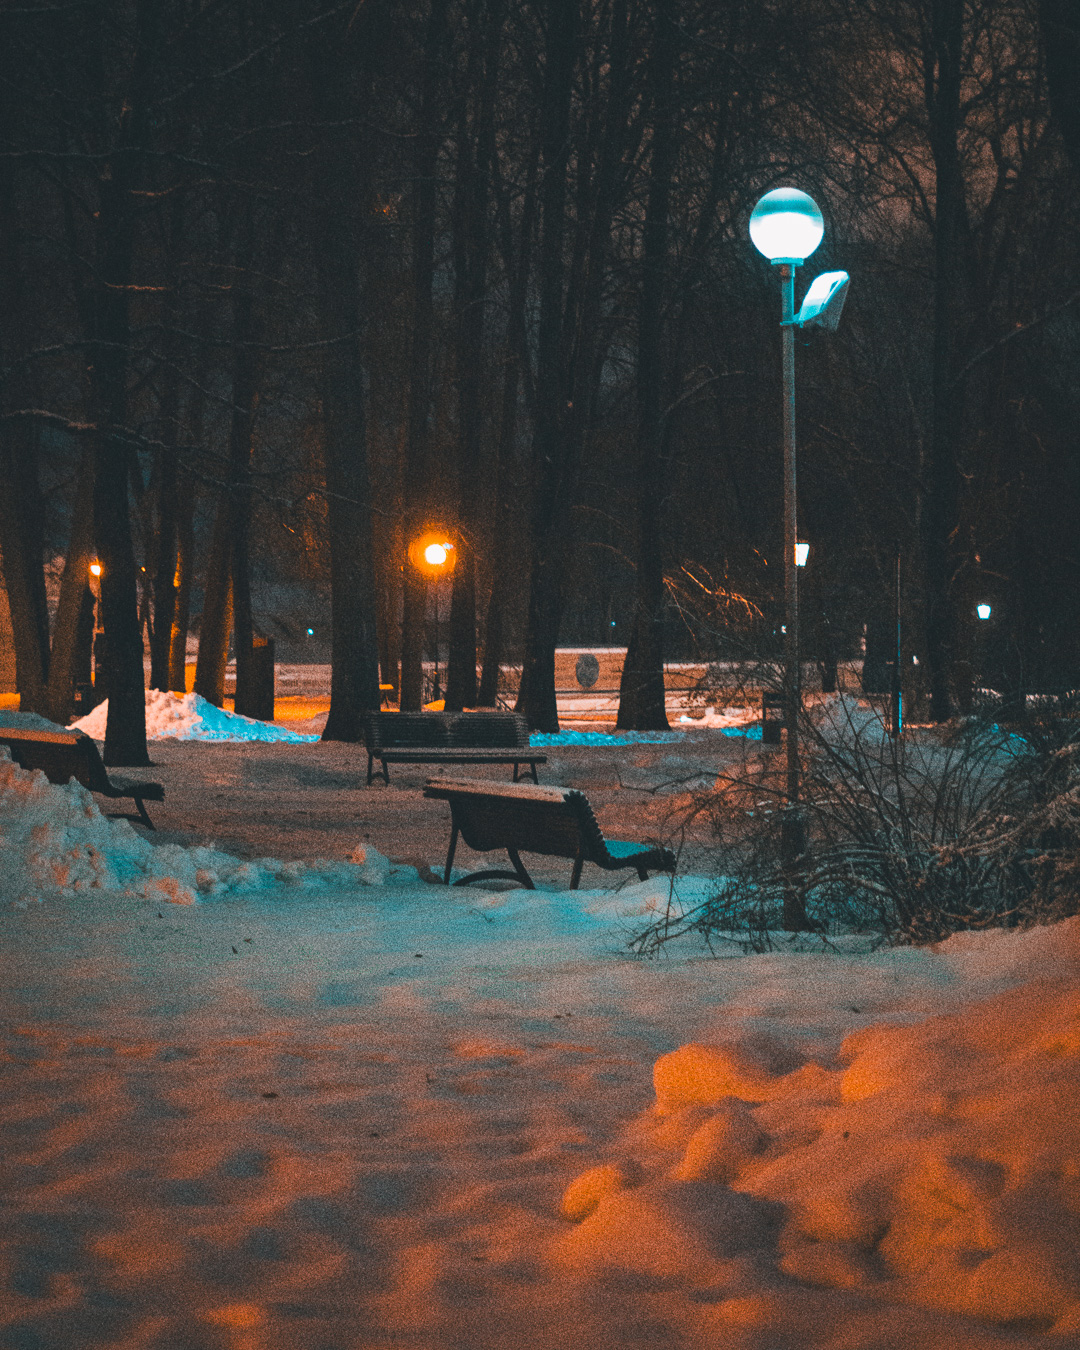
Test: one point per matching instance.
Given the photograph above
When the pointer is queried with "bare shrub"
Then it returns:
(976, 825)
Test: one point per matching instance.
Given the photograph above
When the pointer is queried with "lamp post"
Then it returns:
(786, 226)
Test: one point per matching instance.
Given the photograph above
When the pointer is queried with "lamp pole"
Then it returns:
(785, 227)
(793, 836)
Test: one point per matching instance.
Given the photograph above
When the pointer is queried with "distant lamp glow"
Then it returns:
(95, 568)
(786, 225)
(802, 552)
(311, 632)
(432, 553)
(983, 610)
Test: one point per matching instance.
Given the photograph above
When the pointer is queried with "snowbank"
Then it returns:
(189, 717)
(933, 1165)
(54, 841)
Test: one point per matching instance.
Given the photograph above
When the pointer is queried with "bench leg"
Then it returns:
(575, 876)
(370, 764)
(519, 868)
(450, 855)
(386, 773)
(142, 813)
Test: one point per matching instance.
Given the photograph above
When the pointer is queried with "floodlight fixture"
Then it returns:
(786, 226)
(823, 302)
(802, 553)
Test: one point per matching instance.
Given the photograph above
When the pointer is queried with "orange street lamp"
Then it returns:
(433, 555)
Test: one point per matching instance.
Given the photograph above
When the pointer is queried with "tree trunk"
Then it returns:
(21, 535)
(241, 428)
(185, 562)
(569, 349)
(416, 484)
(470, 237)
(72, 643)
(550, 511)
(216, 623)
(642, 704)
(354, 686)
(125, 729)
(163, 565)
(1060, 22)
(505, 573)
(941, 508)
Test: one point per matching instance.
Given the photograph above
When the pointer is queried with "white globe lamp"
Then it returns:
(786, 226)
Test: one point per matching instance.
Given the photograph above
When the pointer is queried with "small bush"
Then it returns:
(969, 826)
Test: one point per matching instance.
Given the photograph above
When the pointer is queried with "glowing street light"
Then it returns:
(786, 226)
(983, 611)
(433, 555)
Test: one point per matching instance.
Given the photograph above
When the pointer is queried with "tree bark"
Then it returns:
(642, 704)
(125, 729)
(416, 481)
(21, 534)
(475, 143)
(942, 78)
(216, 623)
(1060, 22)
(550, 511)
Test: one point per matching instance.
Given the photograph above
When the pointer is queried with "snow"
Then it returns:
(189, 717)
(322, 1103)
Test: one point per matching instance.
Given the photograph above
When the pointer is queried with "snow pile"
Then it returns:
(189, 717)
(934, 1165)
(542, 738)
(54, 841)
(737, 721)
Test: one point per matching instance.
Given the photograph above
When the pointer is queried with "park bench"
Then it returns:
(64, 755)
(449, 738)
(553, 821)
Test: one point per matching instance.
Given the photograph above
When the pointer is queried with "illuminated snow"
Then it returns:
(307, 1099)
(189, 717)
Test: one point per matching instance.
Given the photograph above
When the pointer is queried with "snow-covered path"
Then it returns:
(338, 1107)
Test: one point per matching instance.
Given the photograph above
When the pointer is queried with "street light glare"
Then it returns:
(435, 555)
(983, 611)
(95, 569)
(786, 225)
(802, 552)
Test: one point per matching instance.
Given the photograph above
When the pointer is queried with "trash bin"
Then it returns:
(262, 680)
(772, 718)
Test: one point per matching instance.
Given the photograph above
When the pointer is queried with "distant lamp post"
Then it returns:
(432, 554)
(786, 226)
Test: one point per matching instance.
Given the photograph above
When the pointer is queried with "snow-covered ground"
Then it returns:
(286, 1101)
